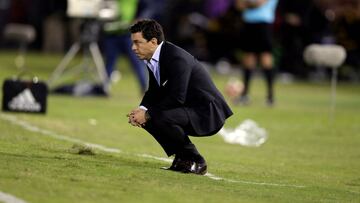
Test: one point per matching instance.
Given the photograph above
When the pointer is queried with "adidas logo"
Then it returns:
(24, 101)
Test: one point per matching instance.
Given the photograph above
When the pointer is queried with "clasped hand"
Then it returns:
(137, 117)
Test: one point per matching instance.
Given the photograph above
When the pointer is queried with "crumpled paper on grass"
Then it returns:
(248, 133)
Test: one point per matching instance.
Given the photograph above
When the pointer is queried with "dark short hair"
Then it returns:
(149, 29)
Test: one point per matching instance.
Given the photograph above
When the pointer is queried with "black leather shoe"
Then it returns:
(187, 166)
(177, 165)
(194, 167)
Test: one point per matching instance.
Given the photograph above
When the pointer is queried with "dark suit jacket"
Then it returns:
(184, 83)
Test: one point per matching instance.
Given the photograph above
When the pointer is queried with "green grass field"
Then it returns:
(308, 157)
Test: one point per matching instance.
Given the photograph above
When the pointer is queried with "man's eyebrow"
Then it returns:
(139, 41)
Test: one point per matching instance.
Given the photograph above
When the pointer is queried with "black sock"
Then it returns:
(269, 76)
(247, 77)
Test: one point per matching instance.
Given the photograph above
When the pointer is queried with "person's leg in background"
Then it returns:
(137, 65)
(249, 61)
(111, 48)
(266, 62)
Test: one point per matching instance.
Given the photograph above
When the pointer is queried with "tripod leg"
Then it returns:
(99, 63)
(61, 67)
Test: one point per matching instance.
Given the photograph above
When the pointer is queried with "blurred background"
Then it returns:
(209, 29)
(309, 142)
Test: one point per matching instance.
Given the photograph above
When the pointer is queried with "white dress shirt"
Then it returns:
(154, 66)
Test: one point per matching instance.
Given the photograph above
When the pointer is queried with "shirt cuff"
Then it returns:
(143, 107)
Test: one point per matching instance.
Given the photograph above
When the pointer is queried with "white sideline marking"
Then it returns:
(211, 176)
(33, 128)
(155, 157)
(7, 198)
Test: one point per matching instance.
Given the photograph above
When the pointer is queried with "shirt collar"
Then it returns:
(156, 55)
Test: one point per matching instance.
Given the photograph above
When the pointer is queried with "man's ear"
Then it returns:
(154, 41)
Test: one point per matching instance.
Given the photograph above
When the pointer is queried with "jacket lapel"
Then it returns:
(163, 64)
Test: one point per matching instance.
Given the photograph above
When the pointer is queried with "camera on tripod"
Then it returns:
(95, 80)
(93, 13)
(93, 9)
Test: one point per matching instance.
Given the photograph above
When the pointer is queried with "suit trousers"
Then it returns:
(171, 129)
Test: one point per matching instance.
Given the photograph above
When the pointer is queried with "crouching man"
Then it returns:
(181, 99)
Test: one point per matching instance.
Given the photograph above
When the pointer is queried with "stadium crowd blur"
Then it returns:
(211, 29)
